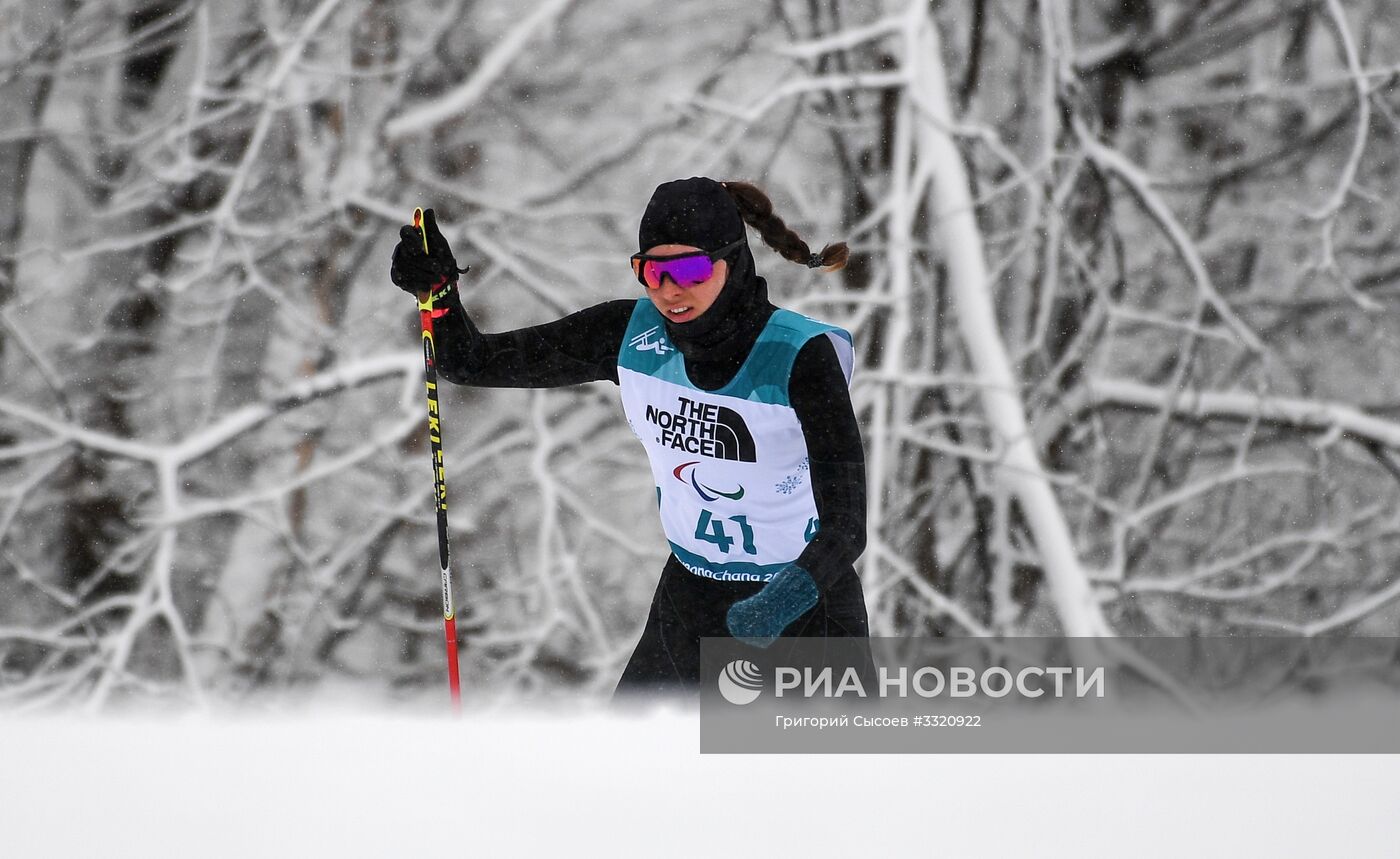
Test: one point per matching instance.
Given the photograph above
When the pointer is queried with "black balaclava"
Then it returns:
(700, 213)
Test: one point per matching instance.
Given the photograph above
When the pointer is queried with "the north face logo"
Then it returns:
(705, 429)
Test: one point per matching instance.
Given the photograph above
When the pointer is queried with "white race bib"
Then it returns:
(731, 470)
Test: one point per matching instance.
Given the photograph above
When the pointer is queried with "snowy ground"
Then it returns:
(606, 785)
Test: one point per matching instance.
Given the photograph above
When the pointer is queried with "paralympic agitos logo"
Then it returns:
(703, 428)
(707, 493)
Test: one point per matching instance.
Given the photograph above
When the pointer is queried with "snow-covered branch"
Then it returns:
(458, 100)
(1139, 184)
(1317, 416)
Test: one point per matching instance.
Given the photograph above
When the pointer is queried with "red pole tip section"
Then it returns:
(453, 678)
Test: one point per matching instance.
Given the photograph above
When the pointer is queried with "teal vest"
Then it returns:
(730, 465)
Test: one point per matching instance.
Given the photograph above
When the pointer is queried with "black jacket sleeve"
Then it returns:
(581, 347)
(818, 393)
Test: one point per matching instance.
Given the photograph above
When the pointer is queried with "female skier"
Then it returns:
(743, 409)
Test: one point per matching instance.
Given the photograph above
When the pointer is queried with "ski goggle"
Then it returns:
(685, 269)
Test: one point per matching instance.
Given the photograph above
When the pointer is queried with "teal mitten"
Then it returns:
(761, 618)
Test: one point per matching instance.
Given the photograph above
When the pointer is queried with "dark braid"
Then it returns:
(757, 211)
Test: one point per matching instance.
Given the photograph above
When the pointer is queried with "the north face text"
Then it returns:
(705, 429)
